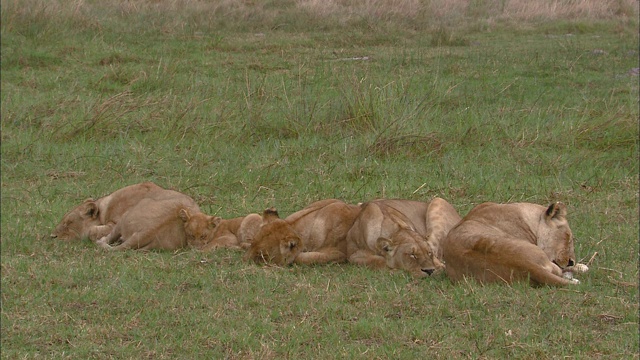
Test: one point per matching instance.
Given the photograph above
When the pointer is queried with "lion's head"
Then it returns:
(276, 242)
(407, 250)
(75, 224)
(555, 237)
(198, 227)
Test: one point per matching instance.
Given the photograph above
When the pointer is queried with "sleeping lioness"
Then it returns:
(387, 234)
(510, 242)
(94, 219)
(432, 219)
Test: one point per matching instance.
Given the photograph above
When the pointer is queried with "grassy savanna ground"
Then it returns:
(245, 105)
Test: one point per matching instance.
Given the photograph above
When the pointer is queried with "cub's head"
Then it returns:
(198, 227)
(555, 237)
(276, 242)
(407, 250)
(76, 223)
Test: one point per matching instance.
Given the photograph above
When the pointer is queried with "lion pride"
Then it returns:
(400, 234)
(512, 242)
(205, 232)
(94, 219)
(153, 223)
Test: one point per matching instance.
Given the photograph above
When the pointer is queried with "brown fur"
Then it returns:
(396, 234)
(207, 233)
(323, 227)
(432, 219)
(511, 242)
(275, 242)
(154, 223)
(94, 219)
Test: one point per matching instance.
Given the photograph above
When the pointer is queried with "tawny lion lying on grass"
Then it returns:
(153, 223)
(205, 232)
(275, 242)
(511, 242)
(400, 234)
(320, 229)
(94, 219)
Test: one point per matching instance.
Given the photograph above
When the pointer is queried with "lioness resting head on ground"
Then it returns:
(383, 237)
(275, 242)
(205, 232)
(510, 242)
(432, 219)
(154, 223)
(322, 226)
(94, 219)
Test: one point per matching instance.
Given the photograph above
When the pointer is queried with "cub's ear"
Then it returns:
(270, 215)
(184, 215)
(556, 210)
(91, 209)
(384, 244)
(214, 221)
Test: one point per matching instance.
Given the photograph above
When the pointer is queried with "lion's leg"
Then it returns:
(441, 217)
(579, 268)
(321, 256)
(227, 241)
(549, 273)
(535, 262)
(506, 259)
(99, 231)
(112, 237)
(362, 257)
(137, 241)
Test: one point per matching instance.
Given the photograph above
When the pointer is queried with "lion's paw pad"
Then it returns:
(581, 268)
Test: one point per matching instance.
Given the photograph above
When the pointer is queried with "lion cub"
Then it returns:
(276, 242)
(206, 232)
(511, 242)
(320, 229)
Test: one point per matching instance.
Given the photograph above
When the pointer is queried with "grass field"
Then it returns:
(245, 105)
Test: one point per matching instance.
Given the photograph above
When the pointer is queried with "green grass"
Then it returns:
(246, 107)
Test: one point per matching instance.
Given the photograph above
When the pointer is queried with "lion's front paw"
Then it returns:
(581, 268)
(102, 242)
(569, 276)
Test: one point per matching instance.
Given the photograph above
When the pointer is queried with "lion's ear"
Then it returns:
(556, 210)
(214, 221)
(400, 221)
(92, 209)
(184, 215)
(384, 244)
(270, 215)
